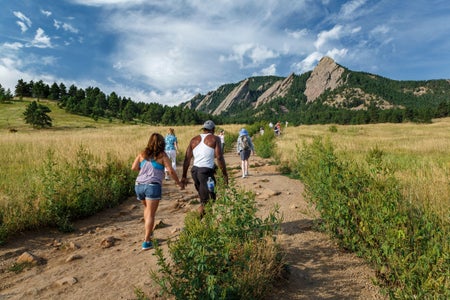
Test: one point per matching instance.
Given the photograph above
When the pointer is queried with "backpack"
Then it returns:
(245, 142)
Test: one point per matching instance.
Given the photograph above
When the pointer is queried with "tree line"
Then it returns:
(94, 103)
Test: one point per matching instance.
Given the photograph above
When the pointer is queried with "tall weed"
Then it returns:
(229, 254)
(364, 208)
(65, 191)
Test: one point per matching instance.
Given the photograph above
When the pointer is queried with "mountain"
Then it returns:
(329, 88)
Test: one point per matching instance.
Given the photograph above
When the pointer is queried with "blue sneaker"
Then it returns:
(147, 245)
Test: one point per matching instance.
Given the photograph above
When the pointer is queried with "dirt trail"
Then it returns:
(102, 258)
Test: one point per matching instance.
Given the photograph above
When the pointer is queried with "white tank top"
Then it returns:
(203, 154)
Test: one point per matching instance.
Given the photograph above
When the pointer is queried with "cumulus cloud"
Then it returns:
(337, 53)
(325, 36)
(41, 40)
(270, 70)
(308, 63)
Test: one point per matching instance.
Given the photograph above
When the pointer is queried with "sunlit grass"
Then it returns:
(23, 152)
(419, 154)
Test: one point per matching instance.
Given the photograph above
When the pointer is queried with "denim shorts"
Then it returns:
(150, 191)
(245, 154)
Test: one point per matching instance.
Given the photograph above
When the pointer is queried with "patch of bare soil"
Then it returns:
(103, 259)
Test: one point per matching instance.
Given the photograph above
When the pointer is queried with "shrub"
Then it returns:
(364, 208)
(265, 145)
(229, 254)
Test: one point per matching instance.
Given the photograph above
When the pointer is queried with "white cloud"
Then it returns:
(270, 70)
(298, 33)
(67, 27)
(24, 22)
(41, 40)
(348, 10)
(22, 25)
(308, 63)
(325, 36)
(337, 53)
(46, 13)
(13, 46)
(108, 2)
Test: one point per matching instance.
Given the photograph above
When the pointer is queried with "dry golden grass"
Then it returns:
(25, 151)
(418, 153)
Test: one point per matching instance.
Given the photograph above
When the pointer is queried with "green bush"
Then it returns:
(63, 192)
(265, 145)
(363, 207)
(229, 254)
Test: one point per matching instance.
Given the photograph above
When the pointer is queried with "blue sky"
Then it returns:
(168, 51)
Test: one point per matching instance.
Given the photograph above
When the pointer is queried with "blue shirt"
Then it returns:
(170, 142)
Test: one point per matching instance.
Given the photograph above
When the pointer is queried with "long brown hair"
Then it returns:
(155, 146)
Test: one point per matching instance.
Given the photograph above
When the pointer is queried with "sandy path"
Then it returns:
(80, 266)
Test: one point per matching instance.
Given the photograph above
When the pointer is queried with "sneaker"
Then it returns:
(167, 177)
(147, 245)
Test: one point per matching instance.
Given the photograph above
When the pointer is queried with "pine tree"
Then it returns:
(36, 115)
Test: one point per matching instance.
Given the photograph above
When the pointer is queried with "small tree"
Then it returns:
(36, 115)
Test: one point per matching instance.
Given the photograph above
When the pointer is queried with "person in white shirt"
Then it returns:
(204, 148)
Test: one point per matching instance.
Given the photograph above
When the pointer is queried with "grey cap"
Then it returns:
(209, 125)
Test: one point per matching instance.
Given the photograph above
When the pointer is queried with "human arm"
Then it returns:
(221, 160)
(135, 166)
(252, 146)
(187, 161)
(238, 145)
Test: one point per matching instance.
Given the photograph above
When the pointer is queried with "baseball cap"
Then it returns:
(209, 125)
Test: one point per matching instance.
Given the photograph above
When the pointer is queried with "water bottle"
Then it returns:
(210, 184)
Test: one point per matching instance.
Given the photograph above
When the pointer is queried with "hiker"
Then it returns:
(222, 140)
(151, 163)
(204, 148)
(244, 149)
(277, 128)
(171, 149)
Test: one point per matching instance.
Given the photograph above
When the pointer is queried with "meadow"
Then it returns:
(378, 186)
(418, 154)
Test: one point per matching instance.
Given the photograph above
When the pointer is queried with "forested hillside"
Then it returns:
(328, 94)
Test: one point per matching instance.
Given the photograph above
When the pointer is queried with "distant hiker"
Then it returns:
(244, 149)
(222, 140)
(204, 148)
(151, 163)
(171, 149)
(270, 125)
(277, 128)
(261, 130)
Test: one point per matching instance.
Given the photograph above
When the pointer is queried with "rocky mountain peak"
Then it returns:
(326, 75)
(278, 89)
(239, 93)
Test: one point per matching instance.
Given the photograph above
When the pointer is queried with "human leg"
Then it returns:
(245, 154)
(200, 177)
(246, 167)
(150, 207)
